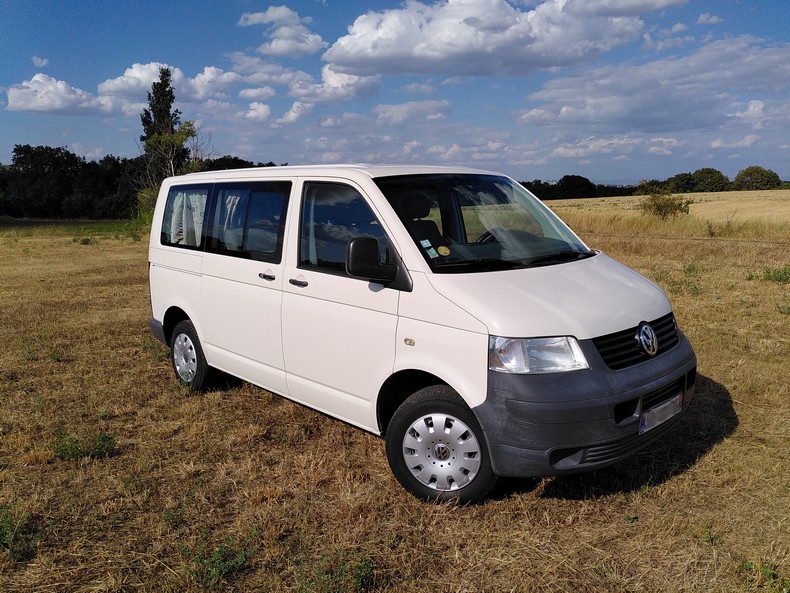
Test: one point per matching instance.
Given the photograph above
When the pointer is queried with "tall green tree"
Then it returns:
(159, 117)
(756, 177)
(709, 180)
(164, 136)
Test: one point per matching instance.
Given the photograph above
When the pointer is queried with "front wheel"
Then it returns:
(436, 448)
(186, 354)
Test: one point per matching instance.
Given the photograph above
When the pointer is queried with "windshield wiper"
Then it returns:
(480, 264)
(559, 257)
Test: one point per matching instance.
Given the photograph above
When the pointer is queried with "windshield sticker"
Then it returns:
(425, 243)
(444, 251)
(431, 253)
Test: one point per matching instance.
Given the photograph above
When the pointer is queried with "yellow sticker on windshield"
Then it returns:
(445, 251)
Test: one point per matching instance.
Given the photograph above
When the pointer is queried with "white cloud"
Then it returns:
(421, 88)
(288, 37)
(212, 82)
(754, 114)
(411, 111)
(273, 14)
(709, 19)
(39, 62)
(694, 91)
(260, 72)
(258, 111)
(265, 92)
(297, 111)
(293, 42)
(744, 143)
(594, 146)
(135, 82)
(486, 37)
(44, 93)
(335, 86)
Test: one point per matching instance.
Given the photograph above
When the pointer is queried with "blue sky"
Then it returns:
(614, 90)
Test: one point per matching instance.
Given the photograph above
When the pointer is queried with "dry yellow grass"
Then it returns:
(313, 499)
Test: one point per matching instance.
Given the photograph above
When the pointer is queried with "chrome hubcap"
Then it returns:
(184, 358)
(441, 452)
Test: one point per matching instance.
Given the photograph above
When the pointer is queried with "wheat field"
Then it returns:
(114, 478)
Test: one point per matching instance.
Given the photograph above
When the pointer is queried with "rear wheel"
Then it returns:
(436, 448)
(186, 354)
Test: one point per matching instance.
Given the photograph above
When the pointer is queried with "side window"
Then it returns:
(184, 214)
(332, 215)
(248, 220)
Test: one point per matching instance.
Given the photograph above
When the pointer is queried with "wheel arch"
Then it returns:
(397, 388)
(173, 317)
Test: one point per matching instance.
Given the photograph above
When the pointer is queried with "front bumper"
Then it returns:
(540, 425)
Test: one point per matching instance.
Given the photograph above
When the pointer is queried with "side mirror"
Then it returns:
(362, 261)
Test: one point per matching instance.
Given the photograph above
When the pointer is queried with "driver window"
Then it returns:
(332, 215)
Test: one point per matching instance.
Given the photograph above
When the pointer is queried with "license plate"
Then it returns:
(661, 413)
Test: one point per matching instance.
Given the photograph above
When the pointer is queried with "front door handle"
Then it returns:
(265, 276)
(299, 283)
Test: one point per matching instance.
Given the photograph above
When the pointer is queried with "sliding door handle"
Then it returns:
(299, 283)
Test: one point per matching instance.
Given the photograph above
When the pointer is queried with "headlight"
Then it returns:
(535, 355)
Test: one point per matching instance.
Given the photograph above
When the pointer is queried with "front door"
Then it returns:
(338, 331)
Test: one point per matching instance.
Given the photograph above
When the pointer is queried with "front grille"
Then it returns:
(621, 349)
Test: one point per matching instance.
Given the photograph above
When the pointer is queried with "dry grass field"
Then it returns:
(113, 478)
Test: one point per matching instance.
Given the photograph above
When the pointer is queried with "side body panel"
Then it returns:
(338, 335)
(242, 333)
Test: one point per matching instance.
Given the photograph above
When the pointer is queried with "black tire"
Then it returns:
(186, 355)
(451, 464)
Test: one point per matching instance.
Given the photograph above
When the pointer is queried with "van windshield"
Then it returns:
(475, 223)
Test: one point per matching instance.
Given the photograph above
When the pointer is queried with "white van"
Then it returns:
(446, 309)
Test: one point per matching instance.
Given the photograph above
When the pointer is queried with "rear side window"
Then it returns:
(332, 215)
(248, 220)
(185, 213)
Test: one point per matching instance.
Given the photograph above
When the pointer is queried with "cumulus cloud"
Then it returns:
(44, 93)
(39, 62)
(135, 82)
(486, 37)
(287, 36)
(334, 87)
(258, 111)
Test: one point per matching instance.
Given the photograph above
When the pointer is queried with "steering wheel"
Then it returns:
(486, 237)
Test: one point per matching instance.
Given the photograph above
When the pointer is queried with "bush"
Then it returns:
(665, 205)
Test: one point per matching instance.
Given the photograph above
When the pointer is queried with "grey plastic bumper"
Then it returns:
(158, 330)
(540, 425)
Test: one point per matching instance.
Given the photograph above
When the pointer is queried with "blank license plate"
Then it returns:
(660, 413)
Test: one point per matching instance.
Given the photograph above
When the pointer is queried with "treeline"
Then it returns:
(700, 181)
(54, 183)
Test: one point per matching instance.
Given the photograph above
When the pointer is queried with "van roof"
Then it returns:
(369, 170)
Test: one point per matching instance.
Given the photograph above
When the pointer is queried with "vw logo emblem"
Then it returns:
(647, 339)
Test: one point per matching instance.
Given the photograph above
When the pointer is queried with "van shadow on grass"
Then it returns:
(709, 419)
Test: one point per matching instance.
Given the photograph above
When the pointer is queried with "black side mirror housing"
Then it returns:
(362, 261)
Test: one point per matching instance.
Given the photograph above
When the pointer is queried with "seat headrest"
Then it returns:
(414, 206)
